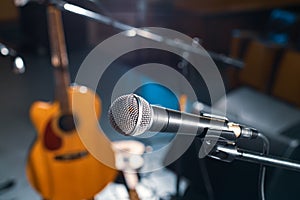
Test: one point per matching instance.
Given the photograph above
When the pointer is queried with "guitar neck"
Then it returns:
(59, 57)
(131, 180)
(133, 195)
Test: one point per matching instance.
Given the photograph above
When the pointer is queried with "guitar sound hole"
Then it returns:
(66, 123)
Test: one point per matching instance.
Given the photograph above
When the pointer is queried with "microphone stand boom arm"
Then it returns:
(229, 153)
(65, 6)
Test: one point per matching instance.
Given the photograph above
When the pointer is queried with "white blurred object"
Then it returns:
(18, 65)
(21, 2)
(24, 2)
(160, 184)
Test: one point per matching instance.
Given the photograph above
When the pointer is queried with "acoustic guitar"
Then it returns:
(59, 166)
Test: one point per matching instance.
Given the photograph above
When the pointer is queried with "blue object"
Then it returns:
(280, 26)
(159, 95)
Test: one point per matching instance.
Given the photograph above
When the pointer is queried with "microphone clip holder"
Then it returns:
(213, 140)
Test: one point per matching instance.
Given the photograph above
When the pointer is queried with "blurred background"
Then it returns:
(255, 45)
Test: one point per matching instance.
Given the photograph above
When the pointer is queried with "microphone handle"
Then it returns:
(167, 120)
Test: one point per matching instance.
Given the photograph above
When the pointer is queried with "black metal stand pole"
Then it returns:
(259, 159)
(65, 6)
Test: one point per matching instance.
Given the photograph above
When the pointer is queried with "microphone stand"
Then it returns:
(72, 8)
(228, 153)
(226, 150)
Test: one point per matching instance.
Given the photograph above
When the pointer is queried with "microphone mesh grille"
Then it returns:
(124, 115)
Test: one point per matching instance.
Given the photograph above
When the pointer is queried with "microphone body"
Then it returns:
(167, 120)
(144, 117)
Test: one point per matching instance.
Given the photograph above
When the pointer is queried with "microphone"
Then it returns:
(132, 115)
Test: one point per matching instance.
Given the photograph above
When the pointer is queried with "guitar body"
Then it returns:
(59, 166)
